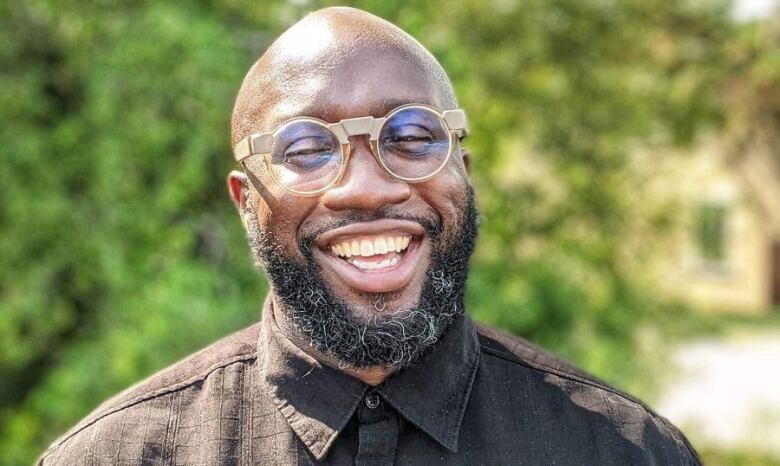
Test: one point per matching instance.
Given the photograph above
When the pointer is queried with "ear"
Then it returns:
(466, 154)
(238, 186)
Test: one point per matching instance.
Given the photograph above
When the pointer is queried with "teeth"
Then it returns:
(366, 248)
(370, 247)
(375, 265)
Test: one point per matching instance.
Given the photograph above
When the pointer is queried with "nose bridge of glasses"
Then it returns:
(348, 128)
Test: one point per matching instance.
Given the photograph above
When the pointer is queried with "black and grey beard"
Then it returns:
(389, 338)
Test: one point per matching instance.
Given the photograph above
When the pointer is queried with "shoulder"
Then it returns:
(152, 396)
(517, 350)
(630, 417)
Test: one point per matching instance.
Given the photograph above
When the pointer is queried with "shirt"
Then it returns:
(478, 396)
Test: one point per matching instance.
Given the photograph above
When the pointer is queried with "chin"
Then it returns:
(366, 306)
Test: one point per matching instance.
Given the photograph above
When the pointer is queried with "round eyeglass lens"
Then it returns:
(305, 156)
(414, 143)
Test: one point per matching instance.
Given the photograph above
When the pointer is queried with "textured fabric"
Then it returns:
(478, 397)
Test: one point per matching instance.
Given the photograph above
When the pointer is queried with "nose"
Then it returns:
(365, 185)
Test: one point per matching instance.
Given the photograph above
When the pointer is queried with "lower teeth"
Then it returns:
(374, 265)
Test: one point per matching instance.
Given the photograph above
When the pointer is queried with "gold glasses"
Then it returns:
(307, 156)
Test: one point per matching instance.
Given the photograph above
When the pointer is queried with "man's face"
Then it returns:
(432, 223)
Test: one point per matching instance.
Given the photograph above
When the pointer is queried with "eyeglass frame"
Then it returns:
(262, 143)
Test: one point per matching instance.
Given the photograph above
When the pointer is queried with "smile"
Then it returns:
(374, 257)
(375, 253)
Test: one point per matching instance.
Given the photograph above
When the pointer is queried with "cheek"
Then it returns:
(447, 193)
(282, 217)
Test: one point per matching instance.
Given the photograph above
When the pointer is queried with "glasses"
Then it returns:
(307, 156)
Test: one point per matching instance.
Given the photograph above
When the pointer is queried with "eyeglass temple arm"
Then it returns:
(253, 144)
(456, 120)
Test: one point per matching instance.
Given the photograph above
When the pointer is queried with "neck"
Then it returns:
(369, 375)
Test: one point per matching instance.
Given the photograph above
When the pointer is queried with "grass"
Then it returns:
(667, 329)
(715, 457)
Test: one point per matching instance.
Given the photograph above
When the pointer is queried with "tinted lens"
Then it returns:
(305, 156)
(414, 142)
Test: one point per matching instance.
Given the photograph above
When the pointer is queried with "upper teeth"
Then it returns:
(369, 247)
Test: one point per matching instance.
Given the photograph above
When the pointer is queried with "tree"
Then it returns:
(121, 253)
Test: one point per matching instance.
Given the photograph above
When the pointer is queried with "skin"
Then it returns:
(335, 64)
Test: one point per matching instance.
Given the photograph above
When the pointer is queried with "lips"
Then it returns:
(374, 257)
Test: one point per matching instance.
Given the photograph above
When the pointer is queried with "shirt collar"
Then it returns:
(318, 401)
(433, 393)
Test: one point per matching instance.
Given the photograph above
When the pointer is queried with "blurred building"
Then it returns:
(725, 256)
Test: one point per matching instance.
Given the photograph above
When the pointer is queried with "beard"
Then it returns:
(394, 338)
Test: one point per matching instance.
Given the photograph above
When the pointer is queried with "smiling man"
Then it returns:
(355, 195)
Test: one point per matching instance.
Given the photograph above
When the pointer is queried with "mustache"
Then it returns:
(431, 223)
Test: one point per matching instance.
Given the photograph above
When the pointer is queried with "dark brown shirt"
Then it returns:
(478, 397)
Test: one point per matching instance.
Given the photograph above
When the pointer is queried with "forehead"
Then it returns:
(365, 83)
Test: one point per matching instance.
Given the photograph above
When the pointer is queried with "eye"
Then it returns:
(309, 151)
(411, 139)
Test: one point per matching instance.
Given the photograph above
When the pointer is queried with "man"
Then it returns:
(356, 200)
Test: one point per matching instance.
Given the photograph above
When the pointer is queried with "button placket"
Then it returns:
(377, 431)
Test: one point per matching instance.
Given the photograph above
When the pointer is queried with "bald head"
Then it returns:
(332, 51)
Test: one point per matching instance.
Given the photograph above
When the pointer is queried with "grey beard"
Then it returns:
(388, 338)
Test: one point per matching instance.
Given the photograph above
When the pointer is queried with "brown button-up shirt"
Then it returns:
(478, 397)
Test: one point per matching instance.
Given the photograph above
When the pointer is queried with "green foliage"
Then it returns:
(121, 253)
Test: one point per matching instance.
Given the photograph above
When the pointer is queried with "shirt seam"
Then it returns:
(165, 390)
(679, 439)
(557, 372)
(466, 395)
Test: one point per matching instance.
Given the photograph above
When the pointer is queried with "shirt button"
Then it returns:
(372, 401)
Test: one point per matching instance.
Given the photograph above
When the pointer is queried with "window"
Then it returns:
(711, 232)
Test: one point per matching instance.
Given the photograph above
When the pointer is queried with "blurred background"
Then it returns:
(625, 153)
